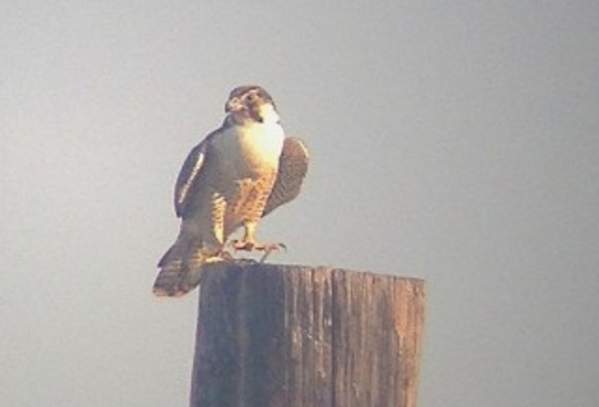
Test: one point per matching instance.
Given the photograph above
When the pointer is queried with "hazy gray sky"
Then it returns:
(455, 141)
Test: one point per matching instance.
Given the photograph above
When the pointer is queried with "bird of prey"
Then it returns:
(239, 173)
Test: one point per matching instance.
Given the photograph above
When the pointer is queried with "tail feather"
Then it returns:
(180, 270)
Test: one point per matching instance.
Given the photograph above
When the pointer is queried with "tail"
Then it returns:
(180, 269)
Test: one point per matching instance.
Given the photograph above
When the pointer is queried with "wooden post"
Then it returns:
(274, 335)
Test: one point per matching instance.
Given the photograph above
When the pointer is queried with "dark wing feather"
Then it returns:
(293, 166)
(189, 177)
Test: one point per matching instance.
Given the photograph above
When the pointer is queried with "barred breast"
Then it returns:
(248, 169)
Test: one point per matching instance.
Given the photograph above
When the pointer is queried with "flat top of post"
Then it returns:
(248, 265)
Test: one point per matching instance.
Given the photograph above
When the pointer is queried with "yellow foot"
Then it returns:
(272, 248)
(267, 248)
(249, 245)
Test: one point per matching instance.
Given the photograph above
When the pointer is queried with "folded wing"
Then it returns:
(190, 176)
(293, 166)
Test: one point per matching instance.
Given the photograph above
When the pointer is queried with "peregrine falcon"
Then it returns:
(239, 173)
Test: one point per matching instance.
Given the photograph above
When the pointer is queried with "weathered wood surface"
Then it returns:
(273, 335)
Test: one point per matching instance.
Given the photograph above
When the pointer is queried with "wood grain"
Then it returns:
(277, 335)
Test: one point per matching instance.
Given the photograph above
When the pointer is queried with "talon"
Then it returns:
(248, 245)
(245, 245)
(268, 249)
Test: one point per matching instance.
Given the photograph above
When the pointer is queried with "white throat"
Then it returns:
(268, 114)
(259, 143)
(263, 138)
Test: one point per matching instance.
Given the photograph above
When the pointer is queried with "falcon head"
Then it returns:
(251, 103)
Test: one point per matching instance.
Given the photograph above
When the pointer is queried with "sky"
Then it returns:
(452, 141)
